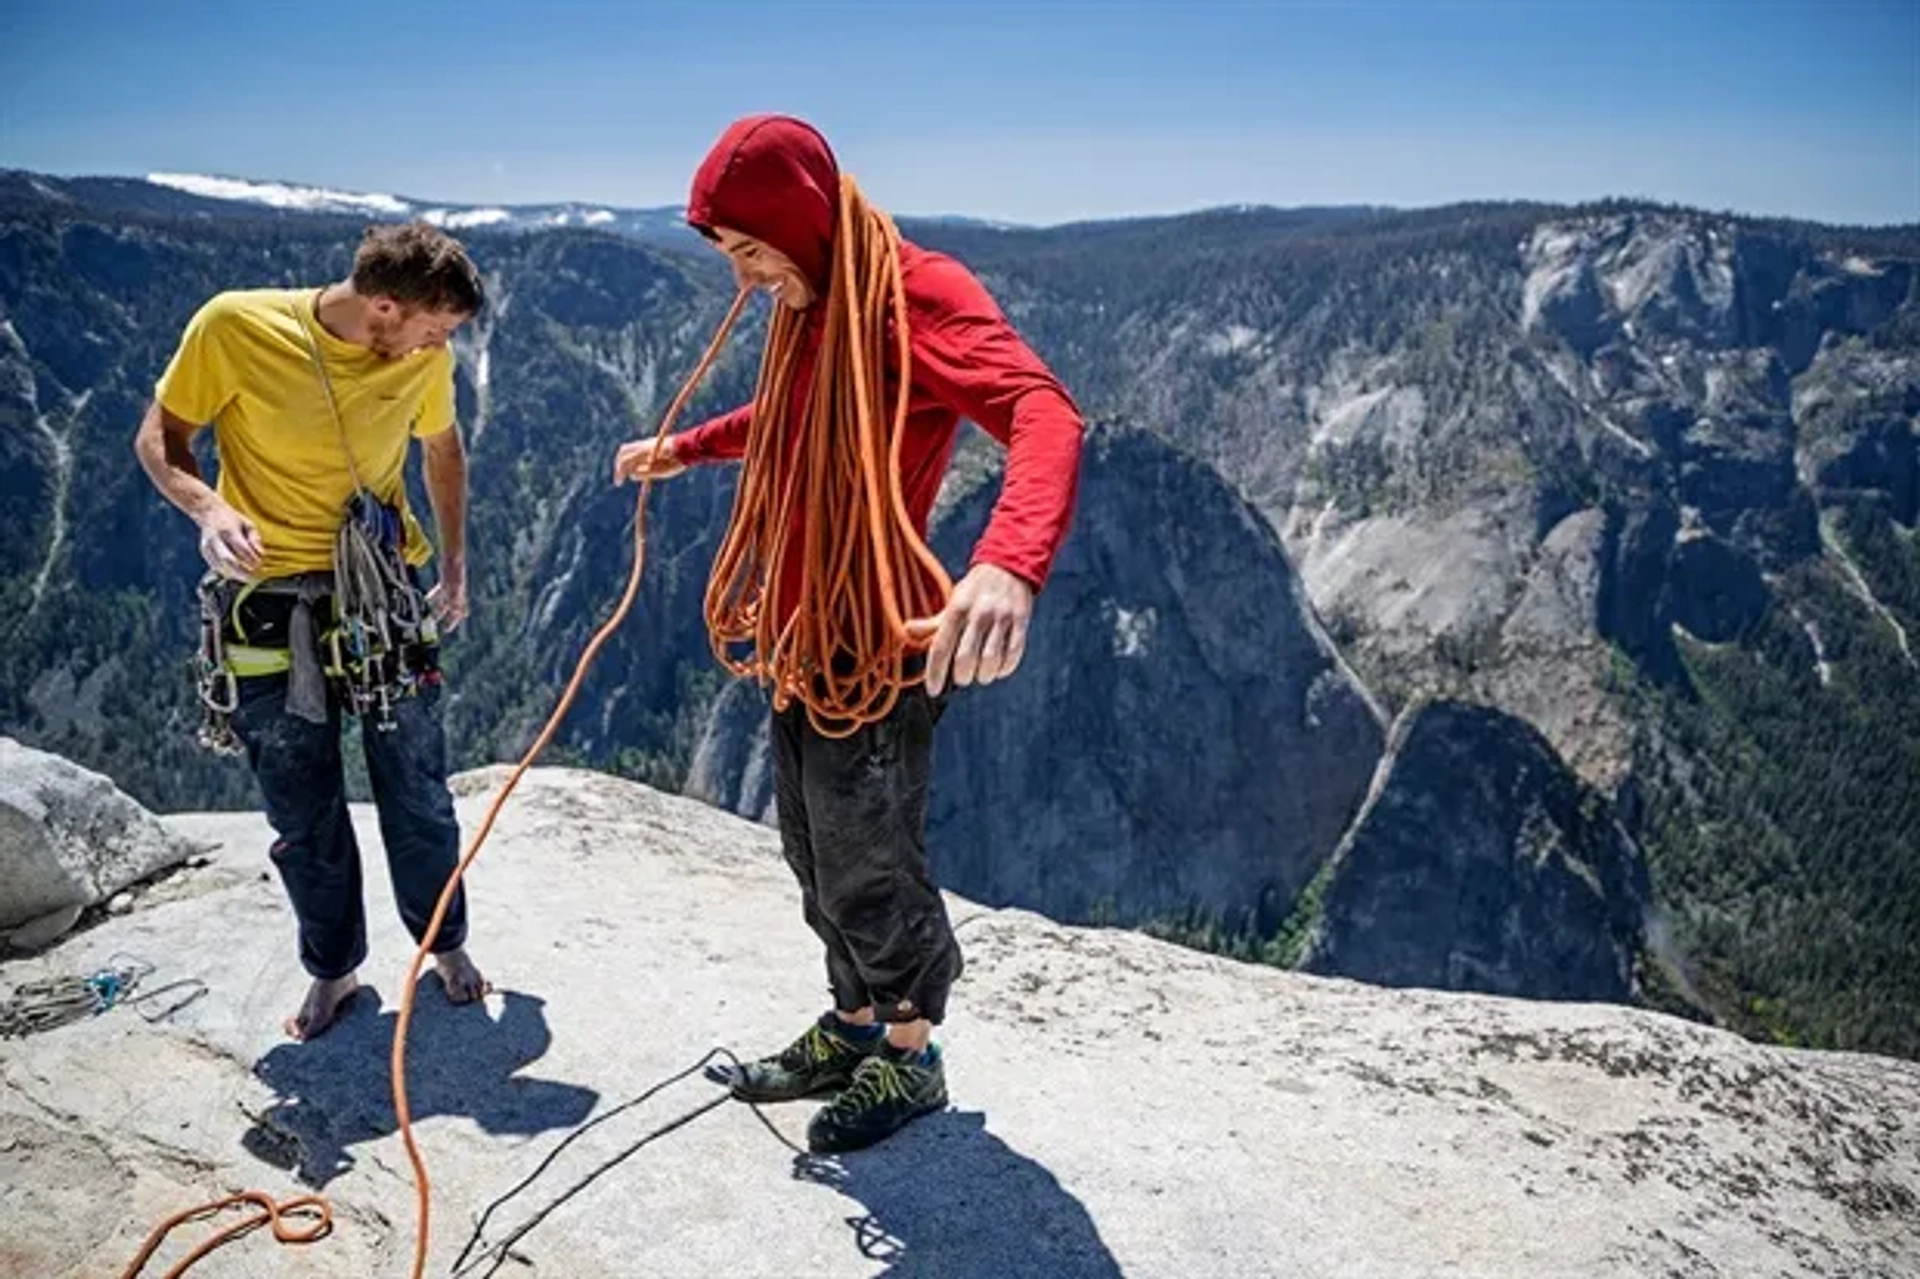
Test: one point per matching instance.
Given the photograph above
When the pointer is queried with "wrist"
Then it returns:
(202, 508)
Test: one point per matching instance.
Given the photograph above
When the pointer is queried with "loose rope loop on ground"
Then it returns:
(284, 1218)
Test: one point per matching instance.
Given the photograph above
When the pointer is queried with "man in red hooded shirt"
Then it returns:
(852, 811)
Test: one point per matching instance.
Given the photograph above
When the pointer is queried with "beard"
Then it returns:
(383, 338)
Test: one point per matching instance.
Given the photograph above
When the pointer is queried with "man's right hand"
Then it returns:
(637, 460)
(230, 544)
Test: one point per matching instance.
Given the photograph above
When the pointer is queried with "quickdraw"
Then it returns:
(218, 685)
(381, 616)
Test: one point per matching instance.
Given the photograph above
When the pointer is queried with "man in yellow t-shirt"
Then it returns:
(260, 367)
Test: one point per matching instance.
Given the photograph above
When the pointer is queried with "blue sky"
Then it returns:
(1035, 111)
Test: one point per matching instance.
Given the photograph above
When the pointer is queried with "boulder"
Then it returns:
(69, 839)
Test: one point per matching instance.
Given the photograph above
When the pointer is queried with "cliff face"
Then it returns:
(1481, 862)
(1182, 734)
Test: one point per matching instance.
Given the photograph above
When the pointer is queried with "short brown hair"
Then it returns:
(419, 265)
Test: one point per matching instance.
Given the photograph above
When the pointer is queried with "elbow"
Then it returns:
(146, 434)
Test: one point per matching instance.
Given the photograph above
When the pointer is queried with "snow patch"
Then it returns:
(1234, 339)
(597, 217)
(281, 195)
(461, 219)
(1133, 630)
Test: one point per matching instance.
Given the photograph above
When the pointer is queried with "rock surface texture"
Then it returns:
(1120, 1106)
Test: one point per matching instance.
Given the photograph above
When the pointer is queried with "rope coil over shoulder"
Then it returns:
(864, 572)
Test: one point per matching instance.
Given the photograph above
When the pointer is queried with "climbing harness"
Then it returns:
(50, 1002)
(372, 660)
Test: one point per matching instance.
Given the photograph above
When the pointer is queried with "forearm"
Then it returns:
(719, 439)
(1039, 489)
(446, 469)
(167, 458)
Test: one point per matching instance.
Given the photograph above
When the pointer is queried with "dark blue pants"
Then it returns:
(297, 765)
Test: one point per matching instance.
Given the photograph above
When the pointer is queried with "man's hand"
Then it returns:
(982, 633)
(449, 595)
(638, 460)
(229, 543)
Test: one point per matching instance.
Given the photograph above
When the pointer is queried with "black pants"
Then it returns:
(853, 821)
(297, 764)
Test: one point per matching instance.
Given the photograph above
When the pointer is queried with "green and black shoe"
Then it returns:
(821, 1060)
(890, 1089)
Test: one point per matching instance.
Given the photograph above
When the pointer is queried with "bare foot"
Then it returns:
(462, 980)
(322, 1006)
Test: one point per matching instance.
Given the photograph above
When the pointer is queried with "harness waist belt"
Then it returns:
(306, 683)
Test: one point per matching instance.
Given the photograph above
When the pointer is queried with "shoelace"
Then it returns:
(878, 1080)
(814, 1046)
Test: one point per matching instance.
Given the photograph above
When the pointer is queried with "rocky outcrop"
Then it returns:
(1480, 862)
(1119, 1105)
(1858, 414)
(1551, 666)
(732, 766)
(69, 839)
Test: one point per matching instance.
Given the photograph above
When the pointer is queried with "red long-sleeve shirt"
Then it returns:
(769, 177)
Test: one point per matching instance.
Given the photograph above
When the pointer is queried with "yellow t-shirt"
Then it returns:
(245, 366)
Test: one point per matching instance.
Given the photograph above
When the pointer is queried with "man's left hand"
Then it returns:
(982, 633)
(449, 596)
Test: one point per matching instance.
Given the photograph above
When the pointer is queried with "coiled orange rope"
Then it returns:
(844, 650)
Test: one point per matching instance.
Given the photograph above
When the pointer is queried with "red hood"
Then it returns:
(774, 178)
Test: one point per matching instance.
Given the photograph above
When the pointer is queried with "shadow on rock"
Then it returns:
(334, 1092)
(946, 1199)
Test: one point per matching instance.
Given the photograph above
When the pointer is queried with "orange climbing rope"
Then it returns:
(844, 649)
(841, 645)
(269, 1214)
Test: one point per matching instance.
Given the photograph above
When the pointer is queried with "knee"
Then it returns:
(859, 901)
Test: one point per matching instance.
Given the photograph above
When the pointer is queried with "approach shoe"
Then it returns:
(890, 1089)
(822, 1060)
